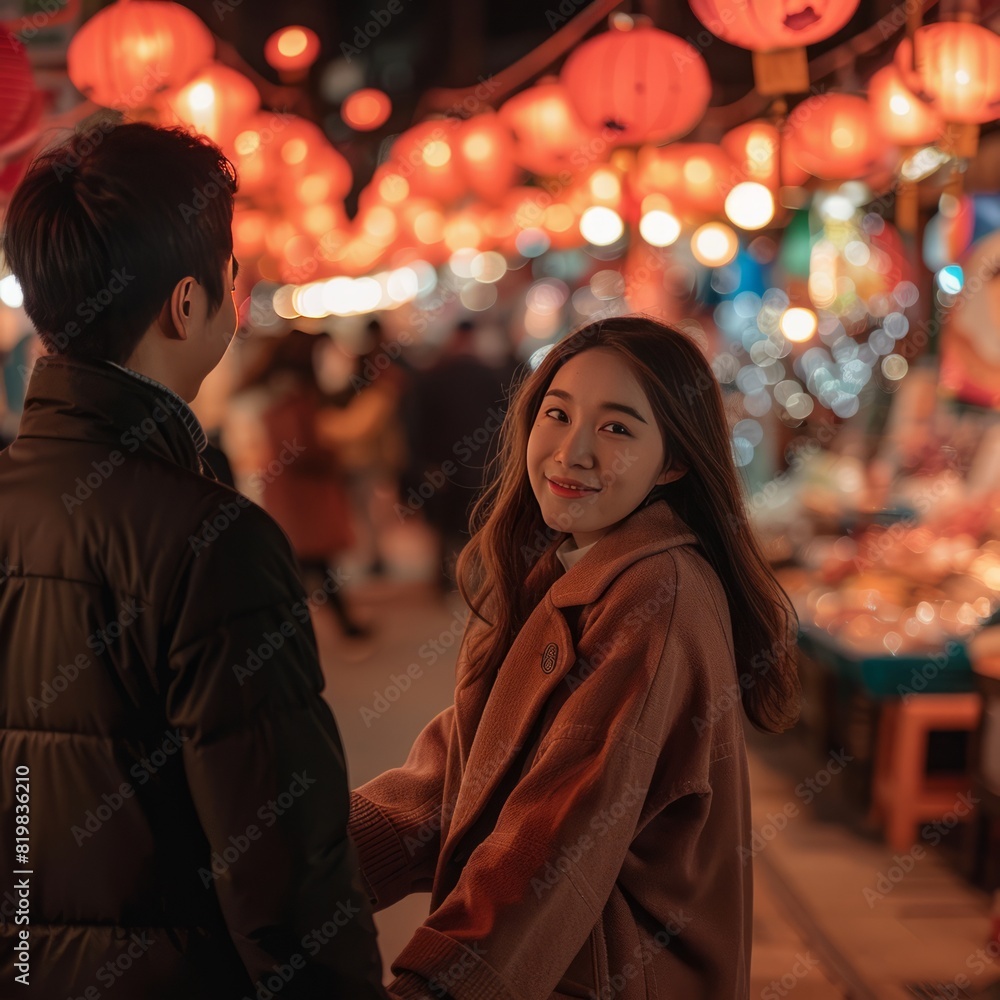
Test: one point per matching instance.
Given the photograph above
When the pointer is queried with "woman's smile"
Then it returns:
(570, 488)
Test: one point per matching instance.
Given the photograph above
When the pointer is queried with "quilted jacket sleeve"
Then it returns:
(264, 761)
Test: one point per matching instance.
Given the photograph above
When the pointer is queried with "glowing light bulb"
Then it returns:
(366, 109)
(659, 228)
(601, 226)
(477, 147)
(605, 185)
(437, 153)
(750, 205)
(294, 151)
(202, 96)
(292, 42)
(899, 105)
(798, 324)
(403, 285)
(10, 292)
(714, 244)
(393, 188)
(842, 137)
(247, 143)
(697, 171)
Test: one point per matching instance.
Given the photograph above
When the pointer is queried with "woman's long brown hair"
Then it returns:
(510, 562)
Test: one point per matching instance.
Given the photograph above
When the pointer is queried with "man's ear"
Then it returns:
(180, 308)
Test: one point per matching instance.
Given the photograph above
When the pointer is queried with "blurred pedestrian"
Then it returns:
(301, 482)
(452, 413)
(183, 784)
(361, 422)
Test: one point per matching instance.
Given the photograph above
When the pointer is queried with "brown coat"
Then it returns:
(579, 818)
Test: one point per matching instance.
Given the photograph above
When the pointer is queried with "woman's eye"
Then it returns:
(622, 429)
(555, 409)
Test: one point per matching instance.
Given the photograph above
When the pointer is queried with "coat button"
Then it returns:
(549, 657)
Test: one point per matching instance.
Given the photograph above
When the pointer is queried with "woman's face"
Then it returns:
(595, 450)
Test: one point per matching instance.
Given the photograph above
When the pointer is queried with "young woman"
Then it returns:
(581, 814)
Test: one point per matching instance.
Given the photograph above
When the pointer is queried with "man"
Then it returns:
(174, 796)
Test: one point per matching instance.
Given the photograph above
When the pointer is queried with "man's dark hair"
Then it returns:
(101, 229)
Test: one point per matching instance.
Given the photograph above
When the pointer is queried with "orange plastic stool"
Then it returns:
(902, 795)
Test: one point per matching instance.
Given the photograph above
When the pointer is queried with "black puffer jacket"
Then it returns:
(160, 700)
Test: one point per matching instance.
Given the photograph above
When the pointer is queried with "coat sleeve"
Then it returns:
(396, 818)
(264, 761)
(530, 894)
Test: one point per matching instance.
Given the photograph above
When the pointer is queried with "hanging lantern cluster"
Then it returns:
(594, 158)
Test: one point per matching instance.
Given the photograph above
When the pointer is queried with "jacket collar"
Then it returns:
(645, 532)
(101, 402)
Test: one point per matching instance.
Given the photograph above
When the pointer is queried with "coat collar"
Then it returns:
(645, 532)
(99, 402)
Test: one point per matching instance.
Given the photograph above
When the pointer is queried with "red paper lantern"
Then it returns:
(131, 51)
(549, 136)
(12, 173)
(248, 151)
(533, 208)
(486, 150)
(763, 25)
(292, 49)
(366, 109)
(377, 224)
(302, 156)
(18, 88)
(755, 150)
(899, 115)
(523, 208)
(359, 256)
(387, 187)
(694, 176)
(217, 102)
(638, 84)
(836, 139)
(426, 158)
(465, 230)
(759, 155)
(955, 66)
(249, 230)
(421, 222)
